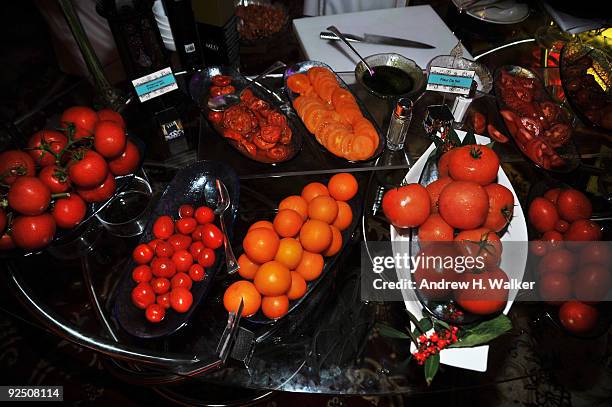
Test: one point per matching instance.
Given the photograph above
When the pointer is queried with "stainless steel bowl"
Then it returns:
(395, 60)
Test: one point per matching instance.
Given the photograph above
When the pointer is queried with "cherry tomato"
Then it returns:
(592, 283)
(583, 230)
(552, 195)
(45, 145)
(153, 243)
(82, 118)
(87, 169)
(181, 280)
(183, 260)
(212, 236)
(155, 313)
(180, 242)
(142, 254)
(186, 226)
(3, 220)
(164, 300)
(99, 193)
(221, 80)
(543, 215)
(554, 239)
(474, 163)
(561, 226)
(195, 248)
(29, 196)
(555, 287)
(180, 299)
(15, 163)
(111, 115)
(163, 267)
(69, 212)
(215, 117)
(207, 257)
(164, 249)
(143, 295)
(557, 261)
(33, 232)
(578, 317)
(109, 139)
(185, 211)
(204, 214)
(142, 274)
(163, 227)
(6, 242)
(537, 247)
(197, 233)
(127, 162)
(574, 205)
(594, 253)
(54, 178)
(197, 272)
(407, 206)
(160, 285)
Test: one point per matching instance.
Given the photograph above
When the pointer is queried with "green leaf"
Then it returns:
(453, 138)
(442, 324)
(423, 326)
(491, 144)
(431, 367)
(390, 332)
(469, 138)
(484, 332)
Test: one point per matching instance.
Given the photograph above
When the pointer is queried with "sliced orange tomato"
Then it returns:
(299, 83)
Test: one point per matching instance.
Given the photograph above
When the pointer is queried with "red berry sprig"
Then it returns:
(434, 343)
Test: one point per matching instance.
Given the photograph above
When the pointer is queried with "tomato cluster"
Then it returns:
(178, 256)
(573, 262)
(465, 206)
(51, 182)
(282, 255)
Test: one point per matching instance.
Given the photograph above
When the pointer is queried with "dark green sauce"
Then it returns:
(388, 80)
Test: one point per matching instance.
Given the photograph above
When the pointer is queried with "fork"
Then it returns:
(222, 206)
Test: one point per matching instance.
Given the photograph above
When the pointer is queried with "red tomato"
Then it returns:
(180, 299)
(87, 169)
(160, 285)
(407, 206)
(45, 146)
(143, 295)
(142, 274)
(186, 226)
(578, 317)
(435, 229)
(180, 242)
(109, 139)
(543, 215)
(6, 242)
(196, 248)
(155, 313)
(475, 163)
(444, 161)
(496, 134)
(583, 230)
(29, 196)
(33, 232)
(197, 272)
(142, 254)
(163, 227)
(164, 300)
(486, 300)
(185, 211)
(206, 257)
(111, 115)
(554, 239)
(82, 118)
(557, 261)
(183, 260)
(127, 162)
(163, 267)
(215, 117)
(221, 80)
(552, 195)
(574, 205)
(69, 212)
(555, 287)
(479, 122)
(212, 236)
(55, 178)
(464, 205)
(483, 243)
(101, 192)
(592, 253)
(501, 207)
(592, 283)
(204, 214)
(538, 248)
(3, 220)
(181, 280)
(197, 233)
(15, 163)
(153, 243)
(164, 249)
(561, 226)
(434, 189)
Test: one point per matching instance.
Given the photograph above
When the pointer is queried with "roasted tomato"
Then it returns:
(558, 135)
(215, 117)
(240, 119)
(278, 153)
(270, 134)
(221, 80)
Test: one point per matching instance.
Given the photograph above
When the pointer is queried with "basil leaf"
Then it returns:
(431, 367)
(484, 332)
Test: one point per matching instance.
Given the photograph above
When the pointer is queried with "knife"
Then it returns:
(376, 39)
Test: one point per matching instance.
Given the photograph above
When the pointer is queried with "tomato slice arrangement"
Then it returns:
(61, 171)
(168, 266)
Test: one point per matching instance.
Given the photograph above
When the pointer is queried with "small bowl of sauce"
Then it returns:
(394, 76)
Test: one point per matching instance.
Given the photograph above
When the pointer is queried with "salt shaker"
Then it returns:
(399, 124)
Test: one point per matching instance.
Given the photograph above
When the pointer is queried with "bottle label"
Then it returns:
(172, 129)
(189, 48)
(155, 84)
(450, 80)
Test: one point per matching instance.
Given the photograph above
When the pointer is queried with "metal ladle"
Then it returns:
(333, 29)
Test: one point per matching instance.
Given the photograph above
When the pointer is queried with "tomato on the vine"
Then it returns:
(69, 212)
(578, 317)
(33, 232)
(15, 163)
(109, 139)
(101, 192)
(29, 196)
(142, 254)
(475, 163)
(55, 178)
(111, 115)
(45, 145)
(127, 162)
(82, 118)
(6, 242)
(87, 169)
(143, 295)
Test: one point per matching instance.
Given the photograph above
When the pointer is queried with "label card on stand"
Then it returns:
(450, 80)
(155, 84)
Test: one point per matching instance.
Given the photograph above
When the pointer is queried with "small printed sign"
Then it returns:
(155, 84)
(450, 80)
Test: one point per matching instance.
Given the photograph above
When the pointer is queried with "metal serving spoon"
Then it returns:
(223, 102)
(333, 29)
(222, 206)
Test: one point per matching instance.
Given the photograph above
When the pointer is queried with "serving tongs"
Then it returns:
(222, 206)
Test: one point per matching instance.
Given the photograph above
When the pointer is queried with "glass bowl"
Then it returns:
(397, 61)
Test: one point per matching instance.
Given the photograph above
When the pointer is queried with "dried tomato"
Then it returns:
(270, 134)
(221, 80)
